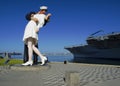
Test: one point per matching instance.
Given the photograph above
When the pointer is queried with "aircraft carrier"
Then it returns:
(105, 46)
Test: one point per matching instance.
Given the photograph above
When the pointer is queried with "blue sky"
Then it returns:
(72, 21)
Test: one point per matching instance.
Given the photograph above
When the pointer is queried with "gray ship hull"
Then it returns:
(89, 52)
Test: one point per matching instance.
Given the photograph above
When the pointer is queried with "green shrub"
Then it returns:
(11, 62)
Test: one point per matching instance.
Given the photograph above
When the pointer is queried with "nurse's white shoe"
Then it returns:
(44, 60)
(28, 63)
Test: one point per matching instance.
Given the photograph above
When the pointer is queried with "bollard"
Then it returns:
(65, 62)
(72, 79)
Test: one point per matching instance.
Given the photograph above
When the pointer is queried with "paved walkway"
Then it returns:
(53, 74)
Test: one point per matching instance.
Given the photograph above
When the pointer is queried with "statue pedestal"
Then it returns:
(29, 68)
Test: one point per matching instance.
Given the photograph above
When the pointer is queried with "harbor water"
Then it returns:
(81, 60)
(50, 58)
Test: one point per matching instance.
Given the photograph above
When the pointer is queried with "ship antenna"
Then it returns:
(96, 32)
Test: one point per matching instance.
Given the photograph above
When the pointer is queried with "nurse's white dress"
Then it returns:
(31, 26)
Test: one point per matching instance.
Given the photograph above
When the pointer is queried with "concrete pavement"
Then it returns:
(53, 74)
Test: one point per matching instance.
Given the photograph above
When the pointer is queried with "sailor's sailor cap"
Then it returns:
(43, 8)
